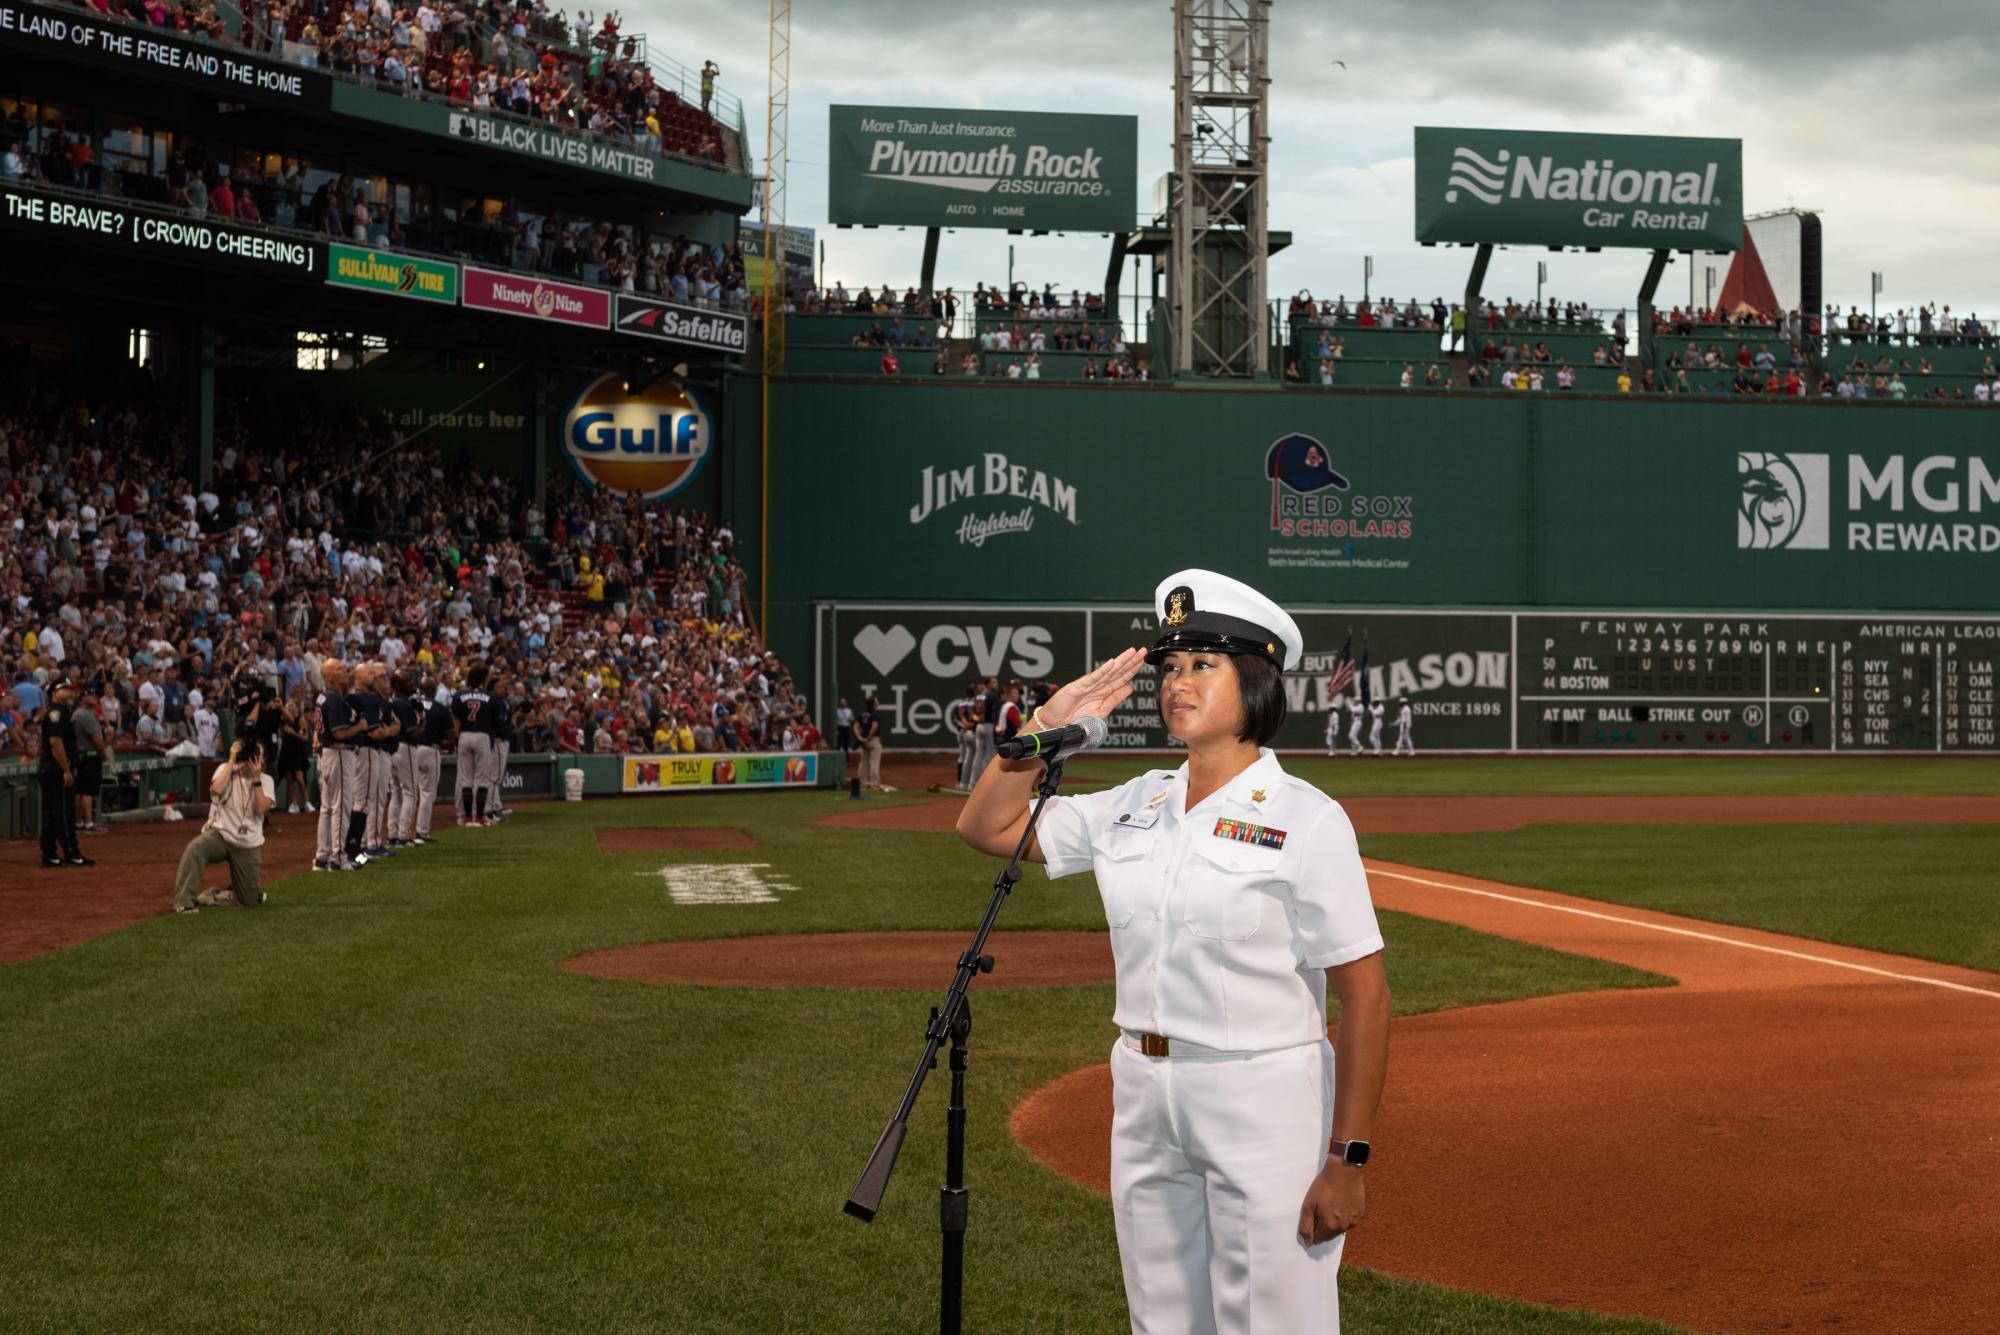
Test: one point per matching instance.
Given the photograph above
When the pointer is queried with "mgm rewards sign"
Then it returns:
(1037, 170)
(1531, 187)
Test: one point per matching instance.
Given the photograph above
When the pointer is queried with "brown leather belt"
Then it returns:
(1152, 1045)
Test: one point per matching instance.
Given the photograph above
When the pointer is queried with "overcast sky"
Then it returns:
(1870, 114)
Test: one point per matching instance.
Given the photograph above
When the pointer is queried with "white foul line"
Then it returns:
(1683, 931)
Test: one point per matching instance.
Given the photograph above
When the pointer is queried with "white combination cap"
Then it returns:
(1201, 610)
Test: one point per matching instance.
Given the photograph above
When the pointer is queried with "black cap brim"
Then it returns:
(1214, 633)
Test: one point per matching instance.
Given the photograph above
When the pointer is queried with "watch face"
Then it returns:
(1357, 1152)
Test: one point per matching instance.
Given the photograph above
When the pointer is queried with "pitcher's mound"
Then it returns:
(698, 840)
(874, 960)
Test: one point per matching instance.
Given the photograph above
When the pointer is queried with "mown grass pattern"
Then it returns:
(376, 1105)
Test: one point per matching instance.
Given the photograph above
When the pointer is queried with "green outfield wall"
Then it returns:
(950, 492)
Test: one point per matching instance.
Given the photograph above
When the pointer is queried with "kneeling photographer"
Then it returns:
(239, 795)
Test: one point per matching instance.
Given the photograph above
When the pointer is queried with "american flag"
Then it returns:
(1343, 670)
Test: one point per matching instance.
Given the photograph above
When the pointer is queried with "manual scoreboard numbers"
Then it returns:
(1681, 682)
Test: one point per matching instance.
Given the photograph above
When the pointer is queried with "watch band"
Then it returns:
(1354, 1153)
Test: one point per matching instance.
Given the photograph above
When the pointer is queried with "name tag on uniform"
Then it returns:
(1245, 833)
(1143, 819)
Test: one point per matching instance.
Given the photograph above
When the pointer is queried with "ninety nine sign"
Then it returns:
(716, 331)
(536, 298)
(107, 222)
(921, 167)
(1539, 188)
(124, 50)
(398, 275)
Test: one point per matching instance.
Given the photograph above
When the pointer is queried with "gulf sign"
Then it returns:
(649, 444)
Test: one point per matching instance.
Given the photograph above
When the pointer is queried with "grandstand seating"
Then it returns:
(1669, 348)
(1945, 359)
(1054, 365)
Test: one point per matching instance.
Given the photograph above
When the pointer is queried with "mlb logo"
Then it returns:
(648, 773)
(1782, 500)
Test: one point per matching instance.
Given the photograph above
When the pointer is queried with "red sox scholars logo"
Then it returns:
(651, 444)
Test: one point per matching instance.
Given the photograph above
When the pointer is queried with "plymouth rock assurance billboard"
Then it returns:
(932, 167)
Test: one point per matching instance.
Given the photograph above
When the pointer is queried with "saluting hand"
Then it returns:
(1094, 694)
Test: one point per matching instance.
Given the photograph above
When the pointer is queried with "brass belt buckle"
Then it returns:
(1152, 1045)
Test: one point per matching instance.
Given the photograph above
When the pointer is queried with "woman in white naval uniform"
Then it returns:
(1234, 894)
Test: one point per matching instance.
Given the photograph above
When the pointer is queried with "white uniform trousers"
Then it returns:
(357, 786)
(1354, 732)
(1404, 746)
(377, 834)
(426, 769)
(968, 748)
(1211, 1157)
(475, 762)
(402, 791)
(496, 776)
(1375, 736)
(983, 750)
(333, 806)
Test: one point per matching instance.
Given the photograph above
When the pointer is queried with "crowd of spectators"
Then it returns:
(225, 182)
(573, 73)
(624, 625)
(1927, 324)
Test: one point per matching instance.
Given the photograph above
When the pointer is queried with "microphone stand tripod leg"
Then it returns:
(953, 1197)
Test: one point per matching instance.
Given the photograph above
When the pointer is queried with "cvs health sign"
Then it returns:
(917, 661)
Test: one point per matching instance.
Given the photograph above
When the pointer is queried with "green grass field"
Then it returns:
(1568, 776)
(1922, 890)
(378, 1106)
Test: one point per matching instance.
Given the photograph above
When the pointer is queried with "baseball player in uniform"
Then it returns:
(1357, 716)
(370, 792)
(471, 709)
(502, 724)
(1404, 747)
(963, 722)
(986, 713)
(431, 737)
(1375, 712)
(1235, 897)
(335, 729)
(403, 762)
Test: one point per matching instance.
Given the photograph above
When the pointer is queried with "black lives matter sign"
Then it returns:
(130, 50)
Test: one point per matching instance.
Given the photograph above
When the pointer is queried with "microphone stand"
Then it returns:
(951, 1022)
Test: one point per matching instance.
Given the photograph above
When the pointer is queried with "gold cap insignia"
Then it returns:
(1179, 603)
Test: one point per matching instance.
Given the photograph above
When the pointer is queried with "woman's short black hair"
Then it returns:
(1262, 690)
(1262, 687)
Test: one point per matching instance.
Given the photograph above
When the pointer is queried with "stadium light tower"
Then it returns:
(1217, 272)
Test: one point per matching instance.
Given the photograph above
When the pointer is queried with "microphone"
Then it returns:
(1055, 743)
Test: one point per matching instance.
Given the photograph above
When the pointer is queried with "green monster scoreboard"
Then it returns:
(1708, 682)
(1471, 680)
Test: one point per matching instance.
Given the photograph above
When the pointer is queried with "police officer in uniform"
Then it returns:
(57, 775)
(1235, 897)
(335, 734)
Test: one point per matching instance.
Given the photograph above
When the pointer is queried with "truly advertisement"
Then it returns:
(549, 144)
(158, 232)
(395, 275)
(537, 298)
(650, 441)
(750, 769)
(692, 326)
(125, 51)
(944, 167)
(1454, 669)
(1539, 188)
